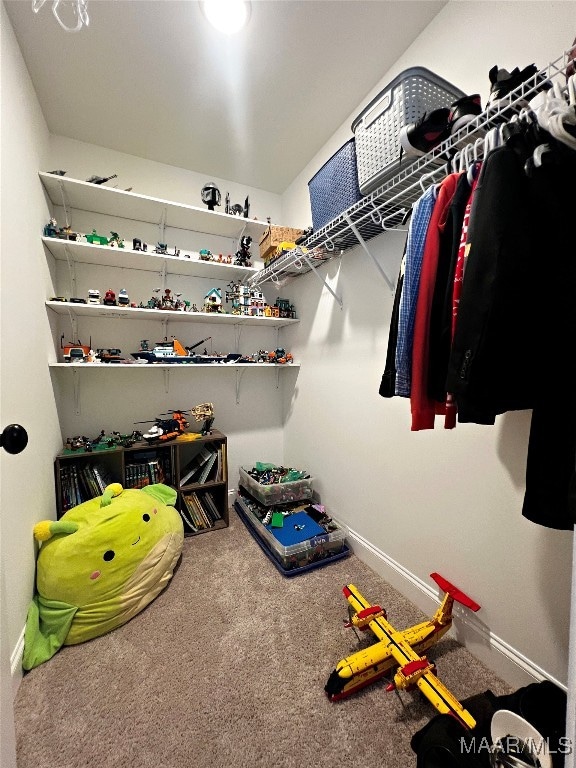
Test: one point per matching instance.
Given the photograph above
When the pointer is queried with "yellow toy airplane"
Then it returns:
(401, 650)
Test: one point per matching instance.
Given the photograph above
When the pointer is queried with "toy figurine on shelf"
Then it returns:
(213, 300)
(109, 298)
(204, 412)
(206, 255)
(162, 248)
(138, 245)
(123, 299)
(101, 179)
(116, 240)
(95, 239)
(211, 195)
(51, 229)
(93, 296)
(243, 253)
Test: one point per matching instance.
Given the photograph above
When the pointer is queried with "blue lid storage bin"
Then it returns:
(376, 129)
(334, 188)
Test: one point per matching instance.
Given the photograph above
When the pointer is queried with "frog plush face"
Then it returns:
(99, 565)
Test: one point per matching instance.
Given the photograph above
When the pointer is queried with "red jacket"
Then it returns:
(423, 408)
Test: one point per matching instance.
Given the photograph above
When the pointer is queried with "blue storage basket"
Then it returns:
(334, 188)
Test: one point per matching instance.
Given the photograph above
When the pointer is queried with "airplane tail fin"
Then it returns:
(454, 592)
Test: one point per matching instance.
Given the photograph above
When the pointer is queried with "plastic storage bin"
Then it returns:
(334, 188)
(277, 493)
(376, 129)
(316, 549)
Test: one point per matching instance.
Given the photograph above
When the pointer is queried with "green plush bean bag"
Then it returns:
(100, 565)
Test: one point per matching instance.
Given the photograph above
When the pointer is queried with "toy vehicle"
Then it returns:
(280, 356)
(123, 300)
(75, 352)
(174, 352)
(110, 355)
(96, 239)
(166, 429)
(109, 298)
(93, 296)
(166, 352)
(400, 650)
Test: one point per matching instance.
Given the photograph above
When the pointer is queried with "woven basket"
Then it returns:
(334, 188)
(276, 235)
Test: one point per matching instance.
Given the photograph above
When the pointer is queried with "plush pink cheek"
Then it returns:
(95, 575)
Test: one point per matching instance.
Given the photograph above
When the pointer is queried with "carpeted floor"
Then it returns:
(226, 669)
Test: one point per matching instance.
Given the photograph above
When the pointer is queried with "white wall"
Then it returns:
(438, 500)
(26, 397)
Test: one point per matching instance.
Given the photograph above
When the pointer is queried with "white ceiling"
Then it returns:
(151, 78)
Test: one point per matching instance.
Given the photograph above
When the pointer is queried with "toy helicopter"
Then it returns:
(164, 430)
(401, 650)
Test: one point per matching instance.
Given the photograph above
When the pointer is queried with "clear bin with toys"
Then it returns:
(269, 493)
(325, 544)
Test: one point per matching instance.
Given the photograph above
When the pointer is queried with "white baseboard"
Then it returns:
(16, 662)
(507, 662)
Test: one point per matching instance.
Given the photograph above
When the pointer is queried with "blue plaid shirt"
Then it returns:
(417, 231)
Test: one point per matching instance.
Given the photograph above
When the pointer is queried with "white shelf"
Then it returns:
(94, 198)
(104, 255)
(130, 313)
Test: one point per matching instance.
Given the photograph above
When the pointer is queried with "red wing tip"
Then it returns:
(456, 593)
(346, 592)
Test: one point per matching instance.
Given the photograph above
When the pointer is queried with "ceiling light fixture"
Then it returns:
(228, 16)
(78, 9)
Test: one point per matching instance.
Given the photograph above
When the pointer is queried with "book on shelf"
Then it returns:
(195, 466)
(203, 512)
(81, 482)
(205, 471)
(210, 503)
(188, 522)
(194, 512)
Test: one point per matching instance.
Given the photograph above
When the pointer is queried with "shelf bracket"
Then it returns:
(76, 389)
(362, 242)
(162, 227)
(239, 374)
(71, 270)
(237, 336)
(65, 205)
(302, 255)
(73, 325)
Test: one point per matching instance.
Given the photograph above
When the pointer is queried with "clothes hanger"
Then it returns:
(400, 212)
(425, 176)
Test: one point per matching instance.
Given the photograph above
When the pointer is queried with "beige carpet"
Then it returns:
(226, 668)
